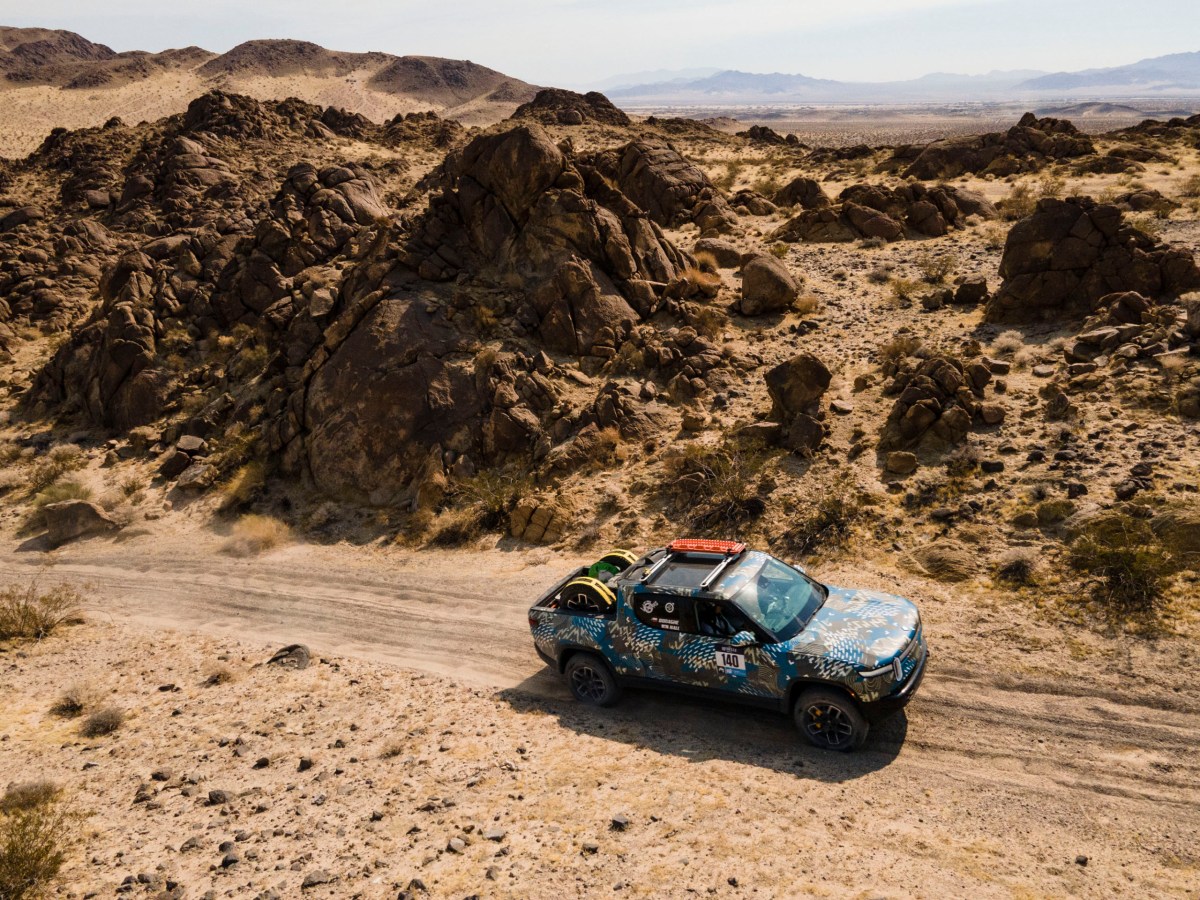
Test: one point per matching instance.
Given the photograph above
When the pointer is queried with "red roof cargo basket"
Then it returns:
(700, 545)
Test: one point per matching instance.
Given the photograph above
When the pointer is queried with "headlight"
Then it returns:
(893, 668)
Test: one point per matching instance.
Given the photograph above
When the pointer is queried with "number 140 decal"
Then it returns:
(730, 660)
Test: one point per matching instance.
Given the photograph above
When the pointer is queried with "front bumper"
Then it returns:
(893, 703)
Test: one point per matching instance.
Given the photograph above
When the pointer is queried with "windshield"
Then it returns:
(777, 597)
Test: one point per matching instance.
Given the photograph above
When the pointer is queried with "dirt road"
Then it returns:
(1115, 771)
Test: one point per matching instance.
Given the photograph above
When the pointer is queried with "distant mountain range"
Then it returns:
(50, 78)
(1177, 75)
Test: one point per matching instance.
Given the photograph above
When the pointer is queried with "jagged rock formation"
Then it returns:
(555, 106)
(656, 177)
(1025, 147)
(1072, 252)
(874, 211)
(937, 402)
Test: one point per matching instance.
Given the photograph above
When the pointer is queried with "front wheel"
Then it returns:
(830, 720)
(590, 681)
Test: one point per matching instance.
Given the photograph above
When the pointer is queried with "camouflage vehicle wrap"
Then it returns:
(868, 644)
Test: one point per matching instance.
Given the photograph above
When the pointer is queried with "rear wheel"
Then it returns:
(587, 595)
(590, 680)
(830, 720)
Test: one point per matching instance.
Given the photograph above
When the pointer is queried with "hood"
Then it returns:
(866, 629)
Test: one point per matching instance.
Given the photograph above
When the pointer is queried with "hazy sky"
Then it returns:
(575, 42)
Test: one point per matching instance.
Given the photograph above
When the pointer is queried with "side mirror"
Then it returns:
(743, 639)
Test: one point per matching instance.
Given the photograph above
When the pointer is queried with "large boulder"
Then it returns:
(1070, 253)
(72, 519)
(937, 402)
(796, 387)
(806, 193)
(557, 106)
(767, 286)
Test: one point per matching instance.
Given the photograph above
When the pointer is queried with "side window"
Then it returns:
(665, 612)
(715, 619)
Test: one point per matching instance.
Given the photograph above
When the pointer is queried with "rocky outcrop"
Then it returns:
(1026, 147)
(937, 402)
(796, 388)
(672, 190)
(891, 214)
(555, 106)
(1070, 253)
(806, 193)
(517, 204)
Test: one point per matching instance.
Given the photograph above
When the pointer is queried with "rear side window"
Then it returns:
(664, 611)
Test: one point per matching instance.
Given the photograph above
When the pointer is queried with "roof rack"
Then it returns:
(729, 550)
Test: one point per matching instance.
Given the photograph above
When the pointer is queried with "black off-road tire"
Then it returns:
(830, 720)
(591, 681)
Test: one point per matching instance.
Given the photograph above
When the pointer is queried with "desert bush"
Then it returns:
(904, 289)
(994, 237)
(75, 700)
(1008, 342)
(67, 489)
(935, 268)
(872, 243)
(29, 613)
(733, 170)
(1190, 186)
(1017, 567)
(1127, 561)
(492, 497)
(779, 250)
(253, 534)
(245, 485)
(452, 528)
(392, 749)
(132, 485)
(806, 304)
(901, 346)
(825, 526)
(1147, 224)
(715, 489)
(102, 722)
(34, 845)
(880, 274)
(707, 282)
(57, 462)
(709, 322)
(28, 795)
(706, 261)
(1051, 186)
(1019, 203)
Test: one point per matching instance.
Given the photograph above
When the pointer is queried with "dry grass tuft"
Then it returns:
(31, 614)
(28, 795)
(102, 722)
(58, 461)
(935, 268)
(1007, 343)
(75, 701)
(254, 534)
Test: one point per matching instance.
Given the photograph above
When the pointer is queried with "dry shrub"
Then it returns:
(1127, 560)
(936, 267)
(826, 526)
(1008, 343)
(34, 844)
(880, 274)
(75, 701)
(707, 282)
(217, 674)
(58, 461)
(253, 534)
(900, 347)
(102, 722)
(245, 486)
(392, 749)
(706, 261)
(715, 489)
(871, 243)
(1019, 204)
(995, 237)
(904, 289)
(28, 795)
(492, 497)
(1190, 186)
(779, 250)
(68, 489)
(1017, 567)
(29, 613)
(709, 322)
(806, 304)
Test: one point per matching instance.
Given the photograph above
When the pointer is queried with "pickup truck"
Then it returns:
(718, 619)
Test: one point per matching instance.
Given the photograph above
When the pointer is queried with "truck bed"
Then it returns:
(548, 600)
